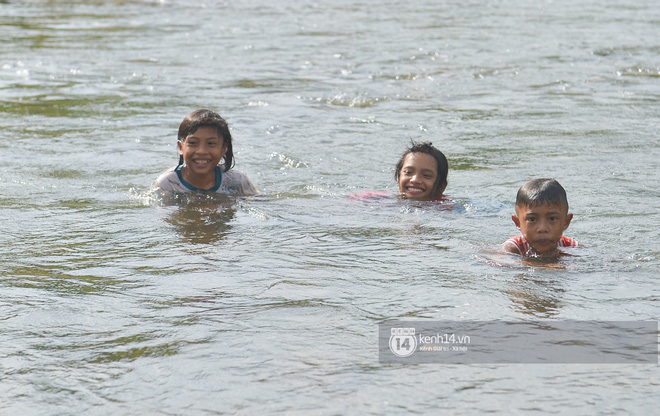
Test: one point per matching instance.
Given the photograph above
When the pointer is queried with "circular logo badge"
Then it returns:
(402, 341)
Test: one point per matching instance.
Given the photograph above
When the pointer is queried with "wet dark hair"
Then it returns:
(441, 161)
(540, 192)
(207, 118)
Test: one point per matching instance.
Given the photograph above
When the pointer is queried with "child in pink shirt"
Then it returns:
(422, 172)
(421, 175)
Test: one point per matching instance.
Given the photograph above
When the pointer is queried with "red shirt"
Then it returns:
(524, 249)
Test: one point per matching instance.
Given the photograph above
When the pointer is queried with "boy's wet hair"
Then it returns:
(540, 192)
(208, 118)
(441, 161)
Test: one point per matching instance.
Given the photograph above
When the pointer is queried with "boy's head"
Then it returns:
(208, 118)
(422, 158)
(542, 191)
(542, 214)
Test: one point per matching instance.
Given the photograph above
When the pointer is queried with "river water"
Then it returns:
(114, 302)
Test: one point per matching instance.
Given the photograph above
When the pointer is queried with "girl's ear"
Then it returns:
(516, 221)
(179, 145)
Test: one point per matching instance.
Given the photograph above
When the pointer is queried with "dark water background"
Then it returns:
(113, 303)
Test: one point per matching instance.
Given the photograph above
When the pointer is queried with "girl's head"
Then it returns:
(207, 118)
(422, 171)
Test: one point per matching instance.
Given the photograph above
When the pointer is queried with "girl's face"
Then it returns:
(202, 151)
(418, 175)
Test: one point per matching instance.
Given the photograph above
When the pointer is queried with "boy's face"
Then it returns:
(417, 175)
(202, 150)
(542, 225)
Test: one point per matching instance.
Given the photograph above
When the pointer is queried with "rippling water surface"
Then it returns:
(115, 303)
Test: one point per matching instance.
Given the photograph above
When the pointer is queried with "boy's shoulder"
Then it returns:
(516, 244)
(568, 242)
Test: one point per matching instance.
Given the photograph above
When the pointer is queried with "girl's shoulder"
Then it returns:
(237, 183)
(371, 195)
(169, 181)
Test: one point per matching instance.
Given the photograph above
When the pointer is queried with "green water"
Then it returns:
(113, 303)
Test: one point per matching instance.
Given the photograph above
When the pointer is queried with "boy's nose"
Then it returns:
(543, 227)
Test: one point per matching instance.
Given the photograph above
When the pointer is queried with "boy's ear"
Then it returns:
(569, 217)
(516, 221)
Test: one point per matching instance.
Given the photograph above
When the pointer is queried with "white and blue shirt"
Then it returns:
(231, 182)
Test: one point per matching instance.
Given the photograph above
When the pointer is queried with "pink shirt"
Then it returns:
(365, 195)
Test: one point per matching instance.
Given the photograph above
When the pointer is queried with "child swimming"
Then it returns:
(203, 142)
(421, 175)
(541, 216)
(422, 172)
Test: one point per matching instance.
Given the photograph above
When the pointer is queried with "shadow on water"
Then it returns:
(535, 296)
(541, 288)
(536, 289)
(202, 219)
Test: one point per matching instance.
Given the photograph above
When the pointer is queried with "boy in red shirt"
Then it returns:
(541, 216)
